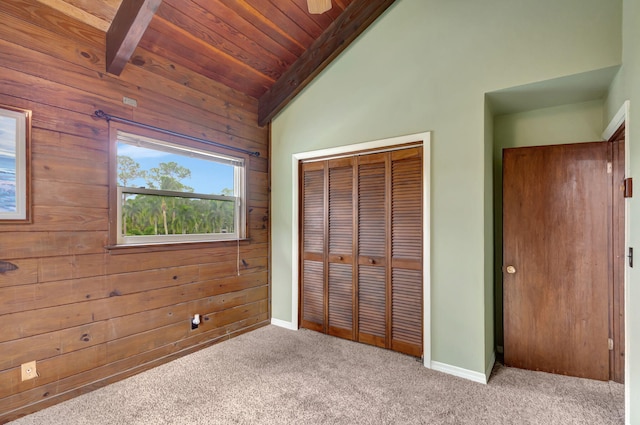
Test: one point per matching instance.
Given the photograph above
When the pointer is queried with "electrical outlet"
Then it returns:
(29, 370)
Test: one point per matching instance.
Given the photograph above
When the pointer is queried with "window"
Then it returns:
(168, 193)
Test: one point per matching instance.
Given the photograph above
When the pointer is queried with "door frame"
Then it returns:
(619, 119)
(425, 138)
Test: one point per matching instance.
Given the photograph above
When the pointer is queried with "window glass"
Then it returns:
(173, 193)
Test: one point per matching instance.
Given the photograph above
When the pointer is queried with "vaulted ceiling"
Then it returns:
(267, 49)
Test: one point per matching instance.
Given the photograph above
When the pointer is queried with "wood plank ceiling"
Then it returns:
(266, 49)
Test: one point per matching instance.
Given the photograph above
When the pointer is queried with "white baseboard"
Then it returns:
(283, 324)
(471, 375)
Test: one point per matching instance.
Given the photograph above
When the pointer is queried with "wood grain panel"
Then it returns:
(341, 299)
(406, 307)
(225, 105)
(53, 344)
(96, 14)
(47, 244)
(167, 40)
(191, 108)
(65, 194)
(254, 18)
(32, 297)
(64, 218)
(229, 23)
(283, 21)
(556, 302)
(53, 21)
(406, 209)
(18, 272)
(52, 369)
(313, 207)
(341, 210)
(301, 18)
(34, 322)
(68, 170)
(181, 81)
(313, 293)
(371, 213)
(372, 301)
(196, 20)
(69, 146)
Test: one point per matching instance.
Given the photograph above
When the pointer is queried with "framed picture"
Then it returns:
(15, 170)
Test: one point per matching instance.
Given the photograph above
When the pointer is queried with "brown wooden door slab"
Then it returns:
(556, 271)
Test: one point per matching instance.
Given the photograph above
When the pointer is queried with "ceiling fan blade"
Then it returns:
(318, 6)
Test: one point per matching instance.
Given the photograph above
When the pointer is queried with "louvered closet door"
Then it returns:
(361, 268)
(372, 249)
(340, 258)
(406, 251)
(313, 238)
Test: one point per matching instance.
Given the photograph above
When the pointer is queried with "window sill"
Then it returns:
(172, 246)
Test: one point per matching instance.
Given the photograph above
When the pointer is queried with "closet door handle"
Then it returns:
(372, 261)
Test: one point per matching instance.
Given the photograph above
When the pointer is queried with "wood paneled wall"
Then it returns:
(90, 316)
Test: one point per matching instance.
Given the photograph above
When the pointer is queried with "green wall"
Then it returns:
(627, 87)
(426, 65)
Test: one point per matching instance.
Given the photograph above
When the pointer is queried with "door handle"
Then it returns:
(372, 261)
(510, 269)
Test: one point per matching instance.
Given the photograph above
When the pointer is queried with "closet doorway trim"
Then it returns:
(425, 139)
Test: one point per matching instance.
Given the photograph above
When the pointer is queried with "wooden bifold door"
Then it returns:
(361, 248)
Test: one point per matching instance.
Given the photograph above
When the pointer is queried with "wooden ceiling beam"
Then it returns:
(351, 23)
(126, 30)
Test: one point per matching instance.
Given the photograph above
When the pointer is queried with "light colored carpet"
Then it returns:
(278, 376)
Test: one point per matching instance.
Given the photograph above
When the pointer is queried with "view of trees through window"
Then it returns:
(158, 195)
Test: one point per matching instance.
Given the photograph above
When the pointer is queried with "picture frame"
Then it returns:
(15, 165)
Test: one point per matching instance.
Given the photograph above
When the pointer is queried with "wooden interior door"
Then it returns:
(556, 259)
(361, 248)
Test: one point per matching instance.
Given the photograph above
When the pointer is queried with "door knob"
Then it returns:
(511, 269)
(372, 261)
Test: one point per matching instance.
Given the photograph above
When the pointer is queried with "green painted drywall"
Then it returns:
(425, 66)
(627, 87)
(573, 123)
